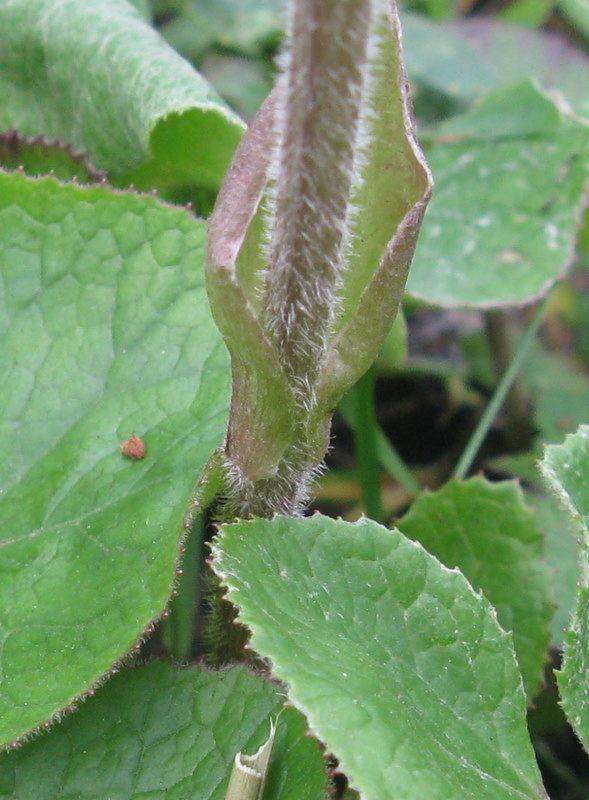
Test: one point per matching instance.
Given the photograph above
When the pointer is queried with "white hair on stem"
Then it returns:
(325, 115)
(314, 168)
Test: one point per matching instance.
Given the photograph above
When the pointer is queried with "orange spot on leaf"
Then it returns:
(133, 447)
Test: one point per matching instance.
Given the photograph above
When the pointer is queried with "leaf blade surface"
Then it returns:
(511, 179)
(401, 669)
(105, 332)
(565, 468)
(160, 732)
(486, 531)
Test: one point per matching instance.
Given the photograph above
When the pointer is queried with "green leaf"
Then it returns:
(246, 26)
(560, 394)
(243, 82)
(566, 469)
(466, 57)
(561, 556)
(577, 12)
(510, 191)
(170, 734)
(436, 53)
(520, 111)
(527, 12)
(40, 156)
(486, 531)
(166, 7)
(393, 353)
(559, 389)
(98, 77)
(143, 6)
(399, 666)
(439, 9)
(105, 331)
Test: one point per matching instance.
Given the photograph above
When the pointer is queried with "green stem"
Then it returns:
(366, 432)
(486, 420)
(388, 457)
(394, 464)
(560, 769)
(516, 408)
(178, 627)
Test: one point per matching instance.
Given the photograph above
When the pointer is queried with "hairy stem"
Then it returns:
(335, 145)
(321, 99)
(318, 114)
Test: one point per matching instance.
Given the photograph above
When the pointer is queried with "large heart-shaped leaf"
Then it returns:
(399, 666)
(170, 734)
(105, 332)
